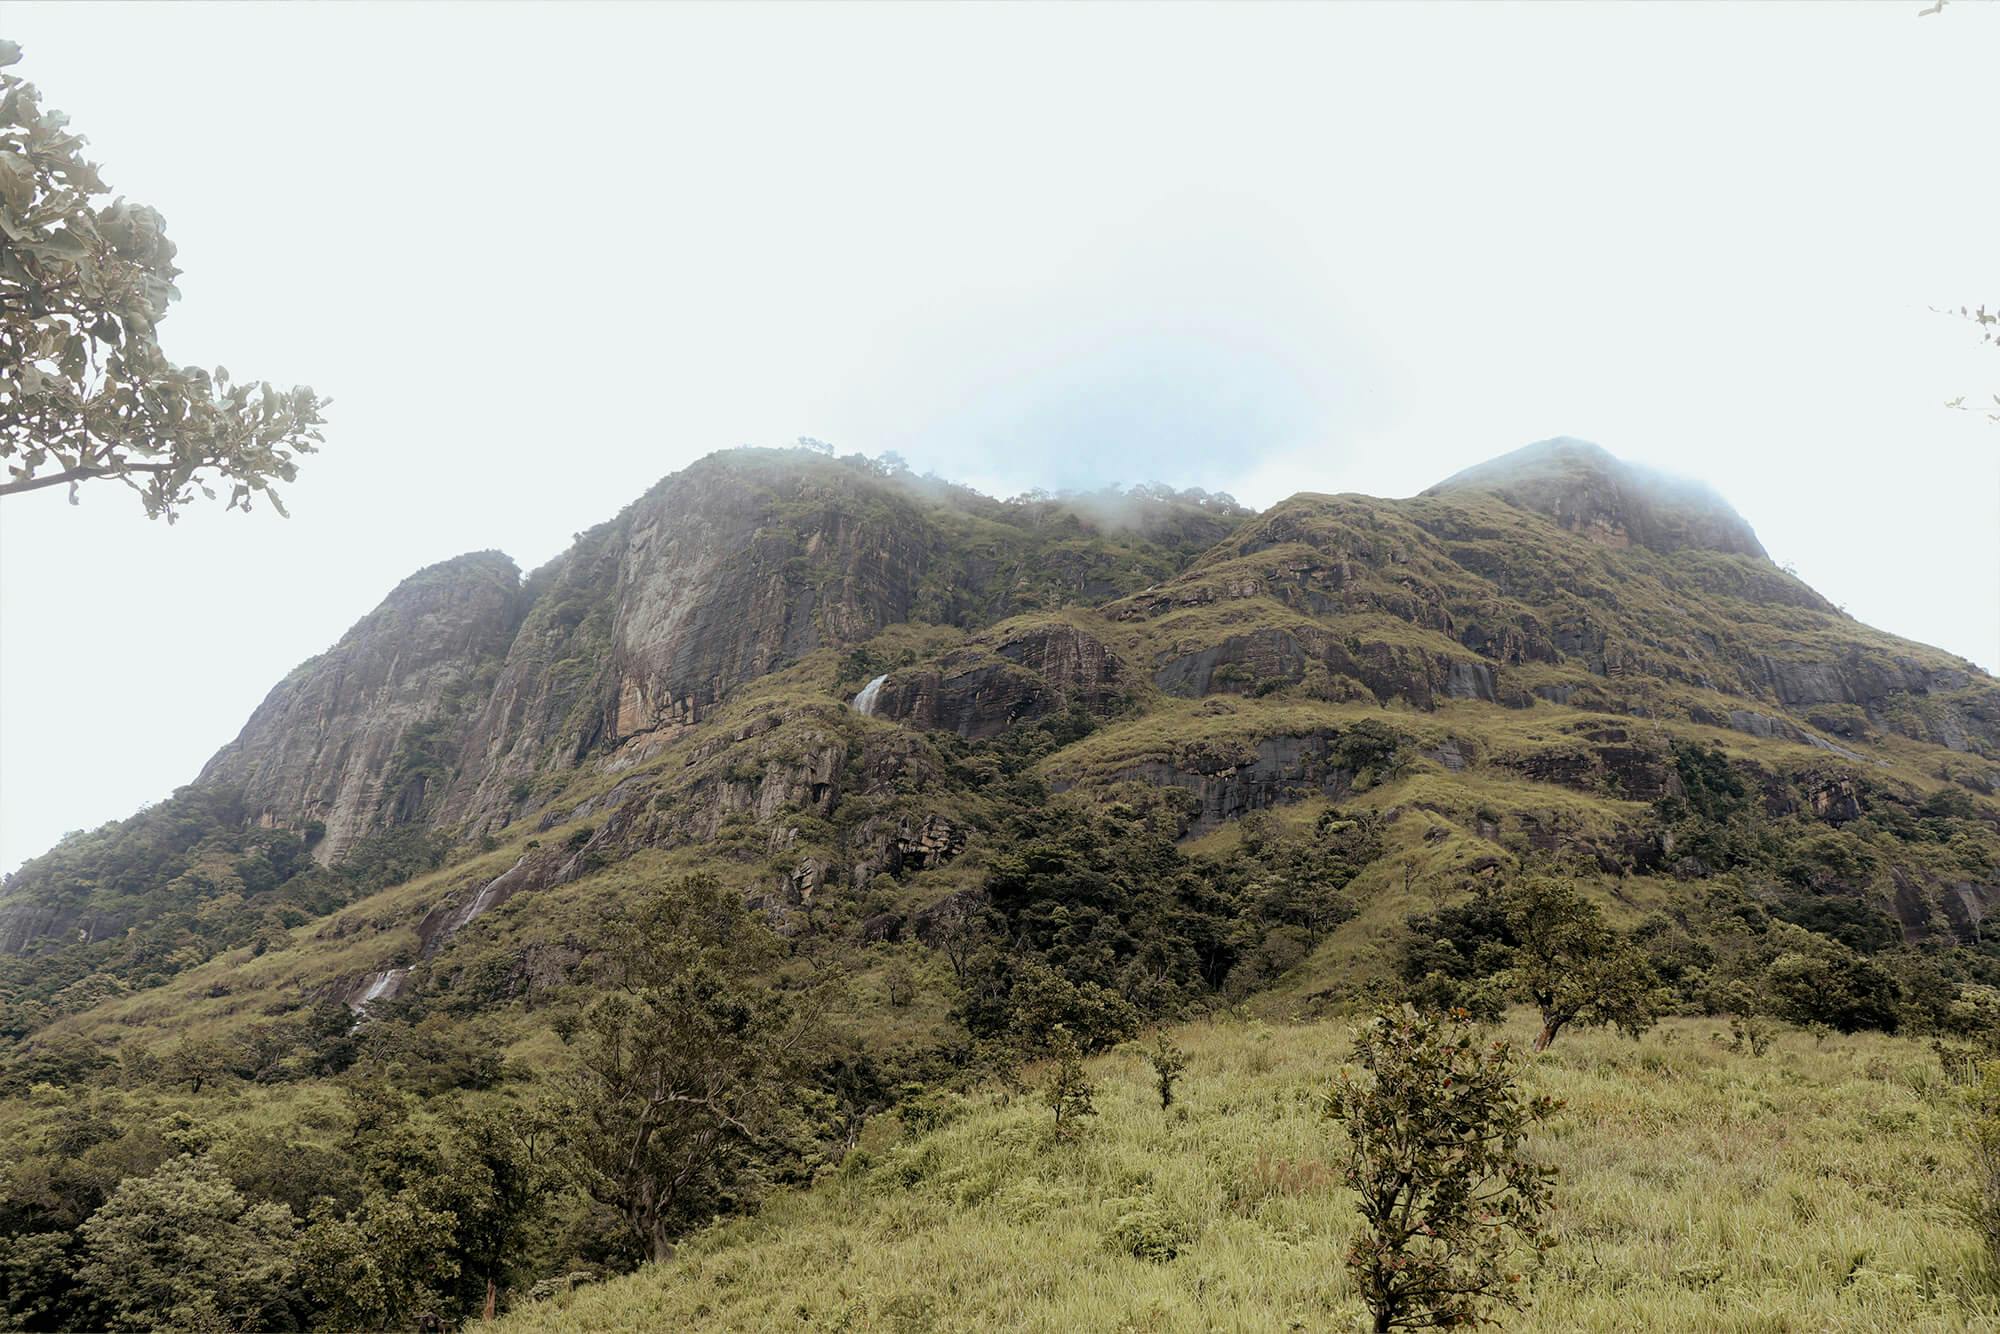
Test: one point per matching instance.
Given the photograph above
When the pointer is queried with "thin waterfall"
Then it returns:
(864, 703)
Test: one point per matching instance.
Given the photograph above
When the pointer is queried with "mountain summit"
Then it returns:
(1587, 490)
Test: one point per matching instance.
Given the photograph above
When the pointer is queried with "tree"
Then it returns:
(1070, 1094)
(900, 982)
(1304, 882)
(1043, 1001)
(181, 1250)
(1812, 979)
(195, 1061)
(1435, 1154)
(338, 1275)
(678, 1094)
(1573, 967)
(85, 391)
(1168, 1061)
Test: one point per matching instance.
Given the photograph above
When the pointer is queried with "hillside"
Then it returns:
(1701, 1189)
(975, 765)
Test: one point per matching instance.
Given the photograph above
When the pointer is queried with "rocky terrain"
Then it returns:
(1547, 623)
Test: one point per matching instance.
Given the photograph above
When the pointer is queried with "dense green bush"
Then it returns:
(1435, 1131)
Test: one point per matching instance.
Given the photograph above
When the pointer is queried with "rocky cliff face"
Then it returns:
(722, 582)
(981, 691)
(720, 575)
(686, 675)
(743, 564)
(547, 707)
(365, 735)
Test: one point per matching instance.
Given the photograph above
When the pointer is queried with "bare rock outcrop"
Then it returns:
(981, 691)
(366, 734)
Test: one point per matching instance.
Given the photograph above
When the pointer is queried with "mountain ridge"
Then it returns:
(1171, 644)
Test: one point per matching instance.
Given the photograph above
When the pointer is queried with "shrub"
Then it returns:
(1814, 979)
(1146, 1230)
(1435, 1154)
(1482, 998)
(924, 1110)
(1168, 1061)
(1043, 1001)
(900, 982)
(1070, 1094)
(1752, 1033)
(1959, 1063)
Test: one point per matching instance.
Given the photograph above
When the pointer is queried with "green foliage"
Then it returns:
(1071, 1095)
(1435, 1155)
(1096, 922)
(899, 983)
(1751, 1033)
(1146, 1229)
(38, 1286)
(1168, 1062)
(1044, 1001)
(1303, 882)
(182, 1250)
(1573, 967)
(391, 856)
(1813, 979)
(1714, 819)
(994, 1232)
(195, 1061)
(1539, 937)
(171, 888)
(433, 1055)
(1453, 957)
(674, 1106)
(922, 1110)
(85, 391)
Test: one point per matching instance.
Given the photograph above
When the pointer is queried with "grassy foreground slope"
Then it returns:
(1811, 1188)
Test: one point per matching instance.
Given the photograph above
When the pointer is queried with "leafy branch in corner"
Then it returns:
(85, 391)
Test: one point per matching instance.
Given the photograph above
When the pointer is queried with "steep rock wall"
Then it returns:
(364, 736)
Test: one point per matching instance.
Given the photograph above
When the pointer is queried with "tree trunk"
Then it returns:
(1548, 1034)
(663, 1245)
(491, 1293)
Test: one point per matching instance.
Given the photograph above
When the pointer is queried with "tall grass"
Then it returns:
(1811, 1188)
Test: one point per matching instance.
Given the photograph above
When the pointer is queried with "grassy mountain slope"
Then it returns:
(1699, 1188)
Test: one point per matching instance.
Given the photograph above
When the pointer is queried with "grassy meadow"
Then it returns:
(1699, 1188)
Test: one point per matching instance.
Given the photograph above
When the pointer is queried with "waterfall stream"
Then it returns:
(385, 983)
(864, 703)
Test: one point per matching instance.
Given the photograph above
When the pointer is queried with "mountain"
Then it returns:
(1162, 750)
(1554, 619)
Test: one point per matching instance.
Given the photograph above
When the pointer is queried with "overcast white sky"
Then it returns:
(541, 256)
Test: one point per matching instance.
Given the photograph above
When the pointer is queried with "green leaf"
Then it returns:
(65, 243)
